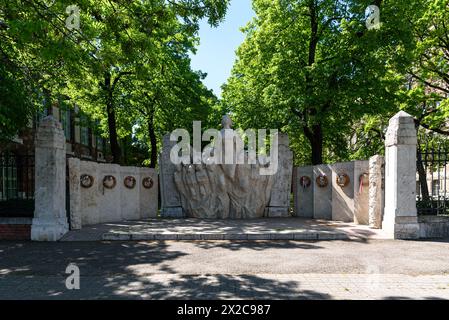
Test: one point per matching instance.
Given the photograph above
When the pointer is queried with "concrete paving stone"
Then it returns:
(259, 236)
(227, 269)
(235, 236)
(306, 236)
(166, 236)
(195, 226)
(213, 236)
(142, 237)
(116, 236)
(186, 237)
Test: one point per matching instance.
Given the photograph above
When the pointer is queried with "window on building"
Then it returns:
(435, 187)
(8, 174)
(100, 143)
(66, 120)
(84, 131)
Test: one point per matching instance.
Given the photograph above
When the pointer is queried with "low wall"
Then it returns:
(333, 192)
(433, 227)
(101, 192)
(15, 228)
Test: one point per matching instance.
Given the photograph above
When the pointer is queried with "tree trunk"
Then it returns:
(153, 140)
(422, 177)
(315, 137)
(314, 134)
(112, 125)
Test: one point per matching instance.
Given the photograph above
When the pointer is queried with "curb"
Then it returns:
(319, 235)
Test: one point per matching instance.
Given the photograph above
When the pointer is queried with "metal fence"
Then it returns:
(16, 185)
(432, 175)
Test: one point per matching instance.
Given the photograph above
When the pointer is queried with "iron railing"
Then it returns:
(16, 185)
(432, 175)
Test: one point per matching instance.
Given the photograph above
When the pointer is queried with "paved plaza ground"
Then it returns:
(214, 229)
(338, 269)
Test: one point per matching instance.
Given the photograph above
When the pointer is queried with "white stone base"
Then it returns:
(402, 228)
(172, 212)
(277, 212)
(48, 229)
(406, 231)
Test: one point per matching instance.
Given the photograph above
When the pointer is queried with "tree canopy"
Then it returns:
(311, 68)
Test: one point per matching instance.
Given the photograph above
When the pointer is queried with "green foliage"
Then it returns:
(127, 64)
(16, 107)
(427, 96)
(312, 66)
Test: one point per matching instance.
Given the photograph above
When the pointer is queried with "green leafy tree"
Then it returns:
(312, 69)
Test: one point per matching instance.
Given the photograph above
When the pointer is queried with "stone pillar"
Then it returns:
(376, 191)
(322, 196)
(148, 195)
(303, 186)
(280, 193)
(400, 217)
(75, 193)
(361, 192)
(170, 197)
(50, 220)
(342, 196)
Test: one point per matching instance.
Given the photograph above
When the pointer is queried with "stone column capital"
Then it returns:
(401, 130)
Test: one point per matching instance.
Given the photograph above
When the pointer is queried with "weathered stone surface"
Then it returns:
(109, 200)
(277, 212)
(98, 204)
(343, 197)
(233, 189)
(361, 192)
(170, 197)
(433, 226)
(172, 212)
(75, 193)
(322, 197)
(148, 198)
(280, 193)
(400, 216)
(303, 193)
(90, 205)
(209, 191)
(50, 220)
(376, 191)
(401, 130)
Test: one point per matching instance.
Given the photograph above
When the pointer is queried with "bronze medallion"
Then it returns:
(342, 179)
(147, 182)
(322, 181)
(129, 182)
(109, 182)
(305, 181)
(86, 181)
(364, 179)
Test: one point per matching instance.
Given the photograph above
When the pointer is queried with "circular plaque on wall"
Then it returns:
(109, 182)
(342, 179)
(86, 181)
(305, 181)
(129, 182)
(364, 179)
(322, 181)
(147, 182)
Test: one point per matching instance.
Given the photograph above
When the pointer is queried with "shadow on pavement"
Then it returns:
(37, 271)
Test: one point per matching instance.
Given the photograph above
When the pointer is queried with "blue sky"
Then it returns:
(216, 52)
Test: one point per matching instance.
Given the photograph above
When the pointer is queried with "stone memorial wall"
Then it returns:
(338, 191)
(101, 192)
